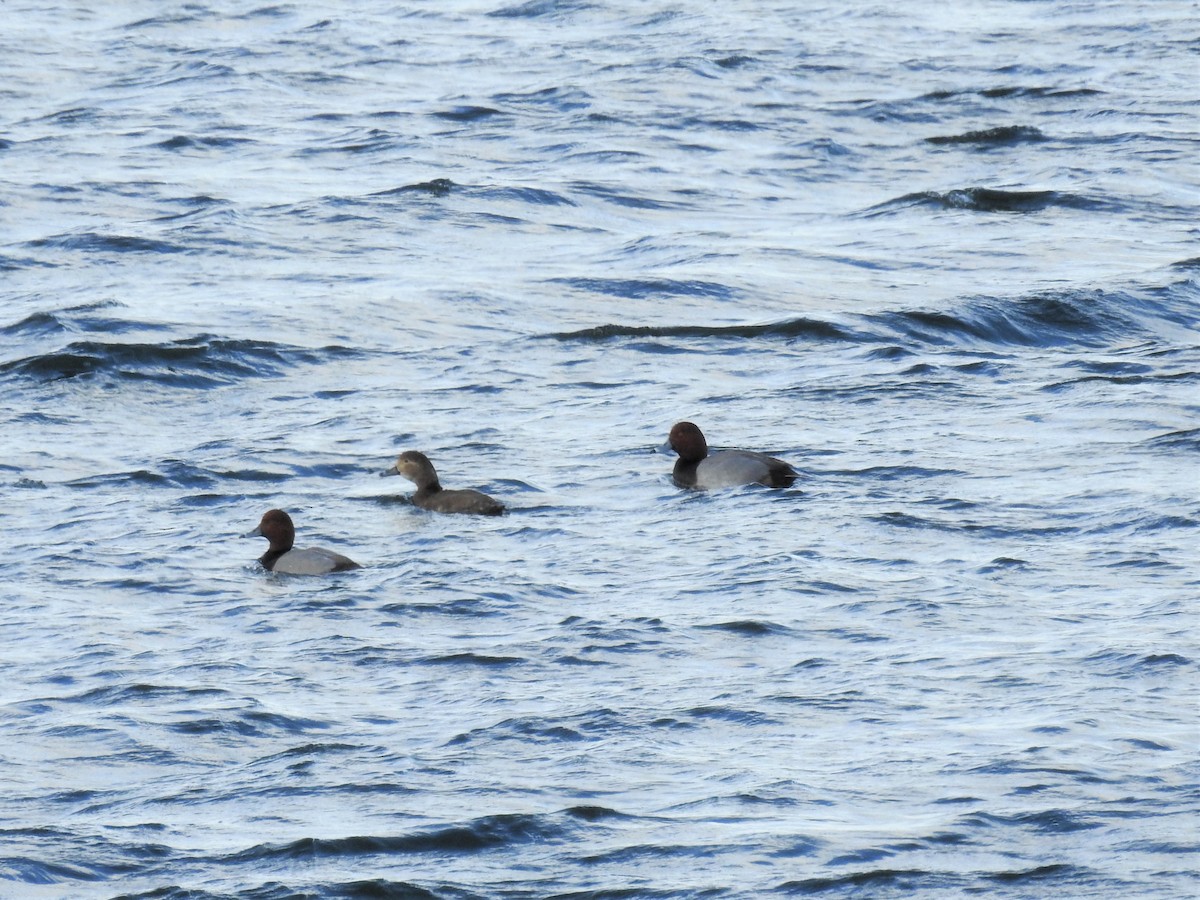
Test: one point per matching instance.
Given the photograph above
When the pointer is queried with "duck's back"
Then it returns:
(731, 468)
(468, 502)
(313, 561)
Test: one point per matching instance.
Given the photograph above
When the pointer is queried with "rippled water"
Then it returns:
(941, 259)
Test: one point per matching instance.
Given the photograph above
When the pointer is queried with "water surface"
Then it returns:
(942, 260)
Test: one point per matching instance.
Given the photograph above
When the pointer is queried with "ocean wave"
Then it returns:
(179, 474)
(991, 200)
(1045, 319)
(1040, 874)
(1116, 664)
(142, 693)
(487, 833)
(534, 196)
(437, 187)
(473, 659)
(75, 115)
(84, 318)
(748, 717)
(529, 729)
(1000, 136)
(1048, 821)
(248, 723)
(189, 142)
(468, 113)
(898, 881)
(892, 880)
(33, 871)
(15, 264)
(198, 362)
(643, 288)
(1007, 91)
(621, 197)
(984, 530)
(1051, 318)
(164, 21)
(535, 9)
(897, 473)
(360, 140)
(1156, 378)
(372, 889)
(749, 628)
(792, 328)
(560, 99)
(1187, 439)
(96, 242)
(643, 852)
(154, 76)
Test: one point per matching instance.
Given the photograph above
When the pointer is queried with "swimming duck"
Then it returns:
(276, 526)
(430, 494)
(728, 468)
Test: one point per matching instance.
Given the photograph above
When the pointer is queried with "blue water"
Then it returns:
(943, 259)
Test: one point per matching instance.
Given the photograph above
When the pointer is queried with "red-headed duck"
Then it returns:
(276, 526)
(430, 494)
(728, 468)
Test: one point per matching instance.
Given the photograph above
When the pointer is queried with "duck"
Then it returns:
(699, 470)
(276, 526)
(430, 495)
